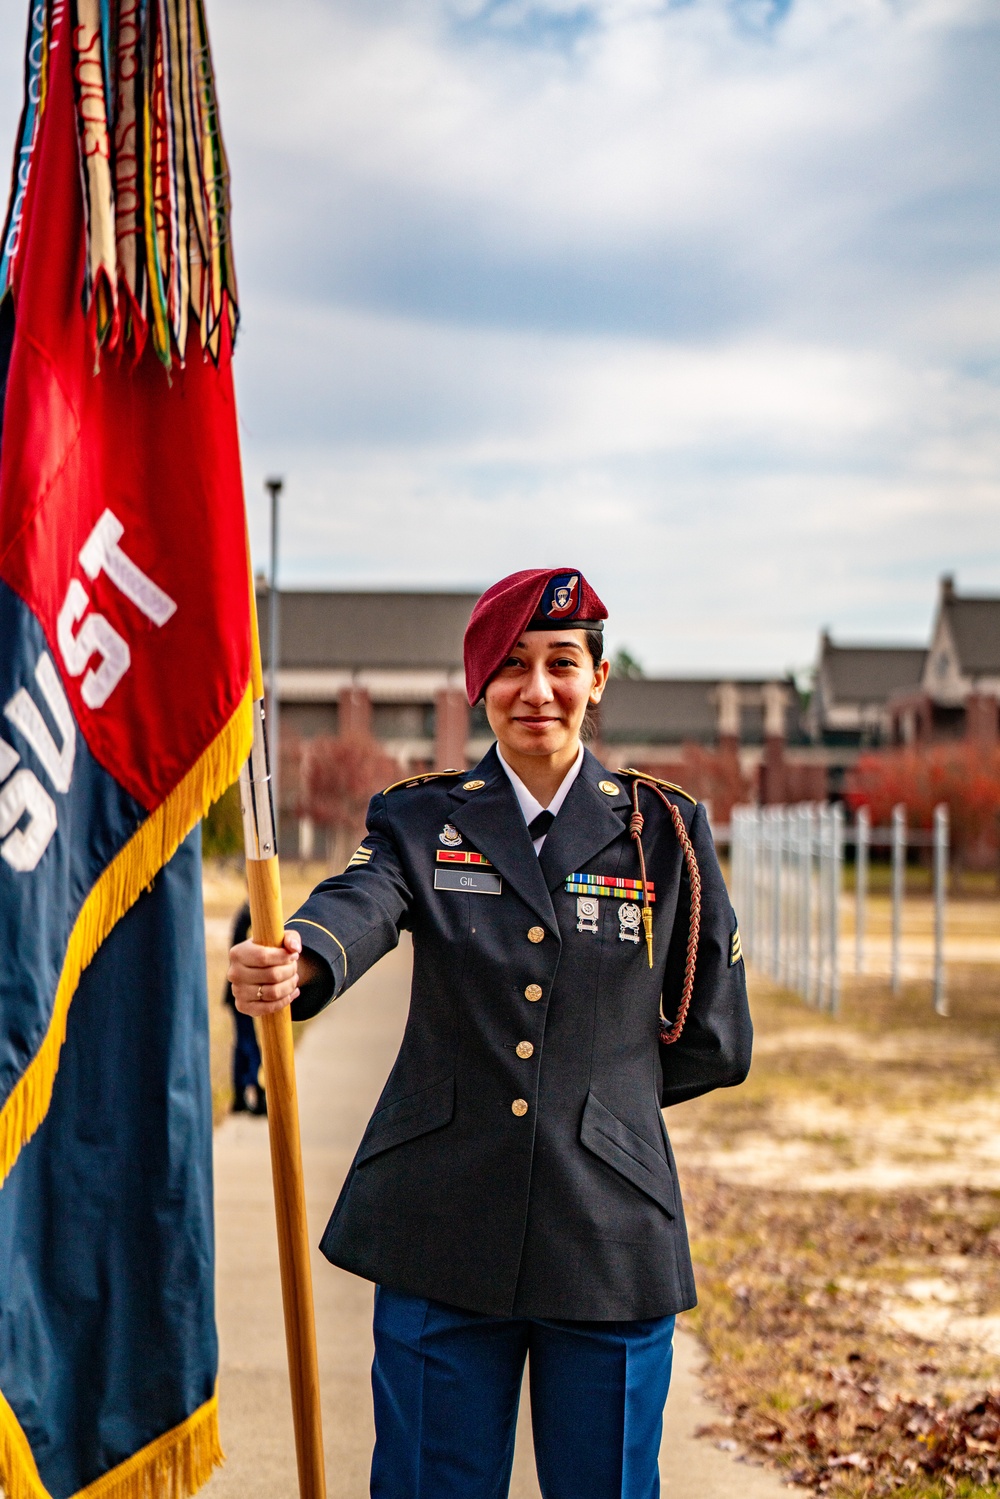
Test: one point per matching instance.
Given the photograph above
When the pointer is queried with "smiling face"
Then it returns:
(537, 700)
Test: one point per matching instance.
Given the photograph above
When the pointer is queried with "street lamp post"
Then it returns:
(274, 488)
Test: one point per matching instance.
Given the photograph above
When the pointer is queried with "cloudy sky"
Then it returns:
(698, 295)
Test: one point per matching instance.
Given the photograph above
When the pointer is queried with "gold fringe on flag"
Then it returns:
(18, 1469)
(174, 1466)
(116, 890)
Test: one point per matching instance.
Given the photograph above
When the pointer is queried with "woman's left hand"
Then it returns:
(266, 979)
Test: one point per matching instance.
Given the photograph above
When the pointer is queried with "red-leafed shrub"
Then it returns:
(965, 776)
(340, 776)
(331, 780)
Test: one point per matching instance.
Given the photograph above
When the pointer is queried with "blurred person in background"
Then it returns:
(576, 967)
(248, 1094)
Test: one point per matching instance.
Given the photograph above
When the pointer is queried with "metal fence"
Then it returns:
(788, 888)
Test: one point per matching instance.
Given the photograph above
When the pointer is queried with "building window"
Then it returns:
(403, 720)
(309, 719)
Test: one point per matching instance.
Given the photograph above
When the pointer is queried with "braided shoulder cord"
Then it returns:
(635, 825)
(670, 1033)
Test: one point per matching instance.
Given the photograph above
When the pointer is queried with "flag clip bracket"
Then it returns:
(256, 799)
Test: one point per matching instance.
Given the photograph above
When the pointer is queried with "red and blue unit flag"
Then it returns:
(125, 710)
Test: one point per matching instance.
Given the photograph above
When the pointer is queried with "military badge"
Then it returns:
(630, 920)
(735, 948)
(479, 880)
(361, 855)
(587, 911)
(561, 599)
(450, 836)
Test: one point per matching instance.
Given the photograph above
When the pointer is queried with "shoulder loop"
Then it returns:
(422, 779)
(640, 775)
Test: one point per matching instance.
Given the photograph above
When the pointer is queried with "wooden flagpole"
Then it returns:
(267, 924)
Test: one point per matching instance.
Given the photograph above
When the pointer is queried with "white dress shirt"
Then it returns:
(529, 805)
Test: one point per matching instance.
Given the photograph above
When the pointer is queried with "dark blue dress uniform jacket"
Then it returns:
(570, 1209)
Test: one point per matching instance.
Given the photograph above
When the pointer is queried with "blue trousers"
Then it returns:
(446, 1385)
(246, 1054)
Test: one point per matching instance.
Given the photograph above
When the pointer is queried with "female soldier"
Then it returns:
(576, 965)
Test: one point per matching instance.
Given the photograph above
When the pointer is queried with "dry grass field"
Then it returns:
(845, 1213)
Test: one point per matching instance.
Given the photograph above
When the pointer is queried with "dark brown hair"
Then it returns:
(591, 719)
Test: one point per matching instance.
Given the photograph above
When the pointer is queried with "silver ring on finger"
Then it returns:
(259, 990)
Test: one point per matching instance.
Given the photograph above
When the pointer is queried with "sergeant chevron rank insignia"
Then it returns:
(735, 948)
(361, 855)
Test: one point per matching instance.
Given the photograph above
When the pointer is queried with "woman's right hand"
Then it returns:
(266, 979)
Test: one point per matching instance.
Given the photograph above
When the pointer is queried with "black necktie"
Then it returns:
(539, 826)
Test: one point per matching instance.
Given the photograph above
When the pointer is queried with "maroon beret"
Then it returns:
(540, 598)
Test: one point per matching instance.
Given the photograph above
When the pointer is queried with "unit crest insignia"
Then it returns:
(630, 920)
(561, 599)
(450, 836)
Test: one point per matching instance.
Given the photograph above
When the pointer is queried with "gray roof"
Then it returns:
(399, 631)
(648, 710)
(679, 710)
(870, 673)
(975, 628)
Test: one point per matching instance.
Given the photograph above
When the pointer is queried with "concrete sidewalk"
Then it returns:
(342, 1063)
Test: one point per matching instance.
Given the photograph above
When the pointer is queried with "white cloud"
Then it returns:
(700, 297)
(519, 396)
(659, 123)
(727, 501)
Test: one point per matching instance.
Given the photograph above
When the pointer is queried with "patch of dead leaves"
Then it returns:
(812, 1376)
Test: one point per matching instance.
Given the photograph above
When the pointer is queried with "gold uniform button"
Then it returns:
(473, 785)
(536, 934)
(519, 1107)
(533, 992)
(525, 1050)
(609, 788)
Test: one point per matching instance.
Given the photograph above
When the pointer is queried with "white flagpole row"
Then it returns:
(787, 881)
